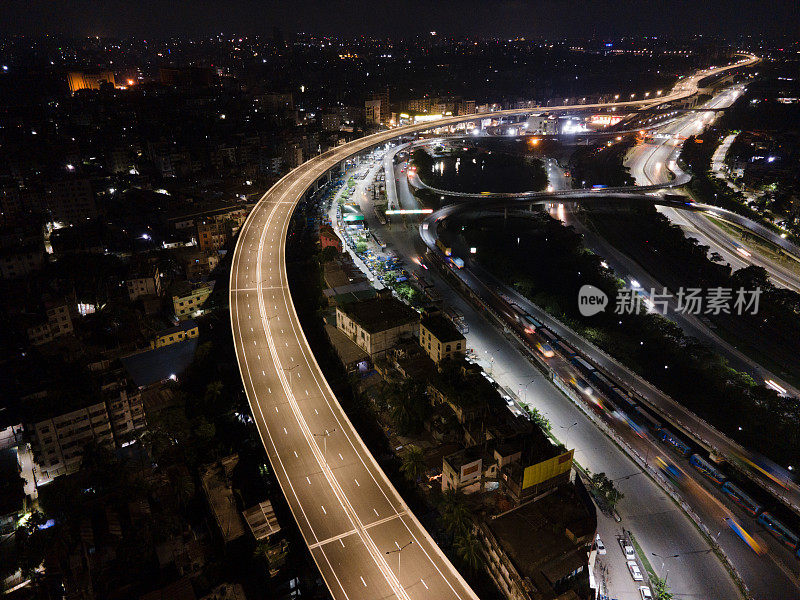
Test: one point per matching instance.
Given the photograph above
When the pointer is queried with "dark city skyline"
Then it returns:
(407, 300)
(404, 18)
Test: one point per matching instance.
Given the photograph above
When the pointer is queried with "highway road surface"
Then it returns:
(349, 514)
(655, 163)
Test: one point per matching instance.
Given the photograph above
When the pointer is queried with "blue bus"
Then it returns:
(603, 381)
(621, 400)
(786, 536)
(742, 499)
(666, 436)
(707, 469)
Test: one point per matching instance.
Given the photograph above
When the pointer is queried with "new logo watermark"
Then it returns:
(591, 300)
(687, 301)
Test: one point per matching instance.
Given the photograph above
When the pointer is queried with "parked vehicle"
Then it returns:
(601, 549)
(636, 572)
(627, 549)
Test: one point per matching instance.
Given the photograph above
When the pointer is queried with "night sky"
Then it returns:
(401, 18)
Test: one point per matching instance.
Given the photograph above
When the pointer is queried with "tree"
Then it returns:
(605, 488)
(361, 247)
(413, 466)
(456, 517)
(661, 589)
(539, 419)
(329, 253)
(468, 549)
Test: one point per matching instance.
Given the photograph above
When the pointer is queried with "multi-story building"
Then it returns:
(377, 324)
(80, 80)
(467, 470)
(21, 261)
(292, 155)
(144, 279)
(440, 339)
(59, 436)
(188, 298)
(183, 331)
(328, 238)
(56, 321)
(212, 235)
(563, 524)
(466, 107)
(330, 121)
(71, 201)
(372, 112)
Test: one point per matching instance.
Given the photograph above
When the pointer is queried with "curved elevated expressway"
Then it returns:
(347, 510)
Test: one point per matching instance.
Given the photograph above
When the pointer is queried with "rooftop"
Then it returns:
(151, 366)
(441, 328)
(379, 314)
(546, 539)
(262, 520)
(184, 326)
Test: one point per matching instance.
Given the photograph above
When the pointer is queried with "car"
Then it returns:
(645, 592)
(601, 549)
(636, 572)
(627, 549)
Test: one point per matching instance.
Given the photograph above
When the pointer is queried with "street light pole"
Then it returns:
(324, 437)
(399, 551)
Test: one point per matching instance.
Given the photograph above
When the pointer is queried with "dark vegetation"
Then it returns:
(549, 264)
(601, 165)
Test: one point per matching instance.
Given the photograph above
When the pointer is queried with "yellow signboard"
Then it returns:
(547, 469)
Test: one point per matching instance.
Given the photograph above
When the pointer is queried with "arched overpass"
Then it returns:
(348, 512)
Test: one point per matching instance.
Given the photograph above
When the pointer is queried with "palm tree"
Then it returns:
(413, 466)
(456, 517)
(468, 550)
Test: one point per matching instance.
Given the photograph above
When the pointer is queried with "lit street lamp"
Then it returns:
(324, 437)
(399, 551)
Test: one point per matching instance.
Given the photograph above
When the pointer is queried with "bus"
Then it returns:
(742, 499)
(546, 350)
(548, 335)
(707, 469)
(565, 350)
(582, 386)
(582, 365)
(531, 324)
(785, 535)
(605, 384)
(666, 436)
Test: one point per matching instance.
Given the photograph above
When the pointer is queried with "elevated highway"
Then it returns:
(349, 514)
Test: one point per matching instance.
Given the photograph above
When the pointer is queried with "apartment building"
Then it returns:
(55, 322)
(188, 298)
(144, 279)
(186, 330)
(377, 324)
(440, 339)
(58, 437)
